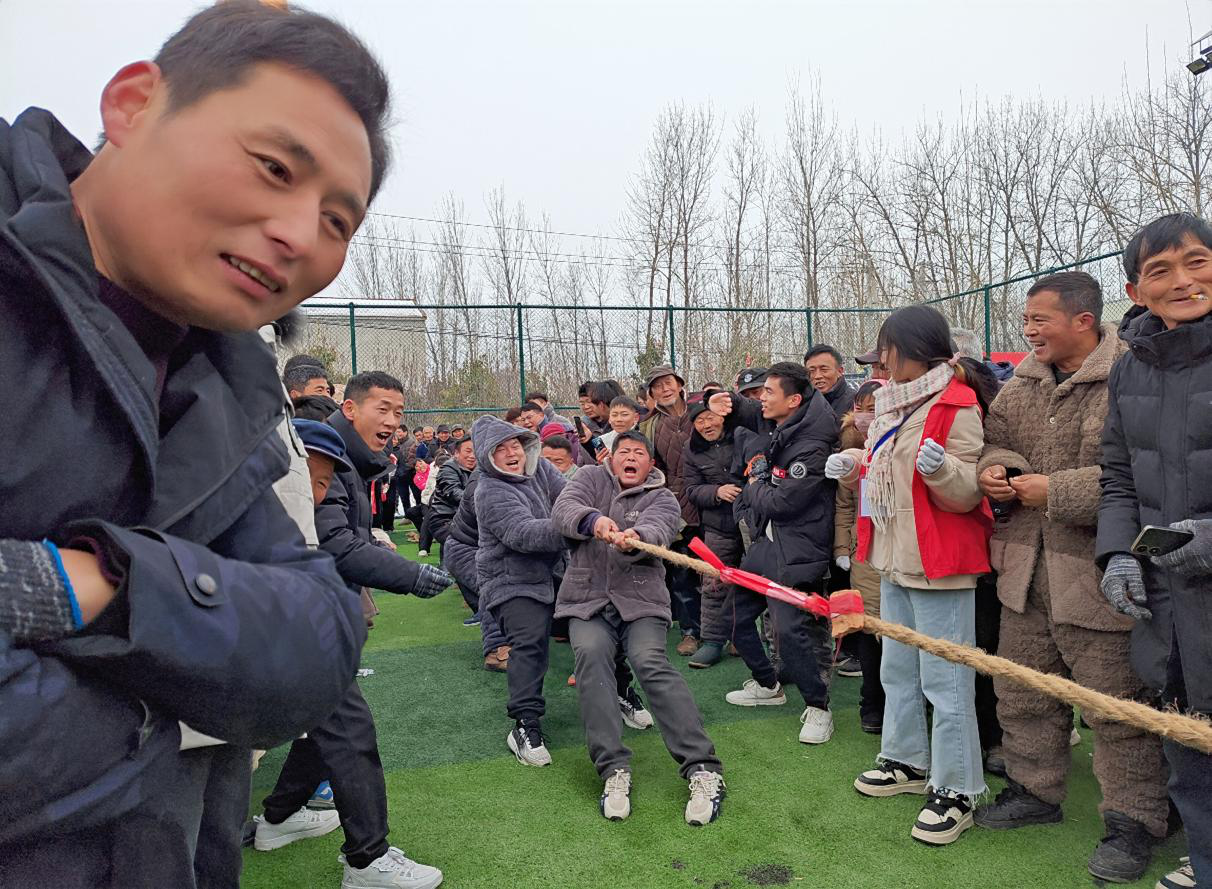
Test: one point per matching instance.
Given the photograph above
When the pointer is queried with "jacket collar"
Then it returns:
(1154, 344)
(366, 462)
(215, 381)
(1095, 369)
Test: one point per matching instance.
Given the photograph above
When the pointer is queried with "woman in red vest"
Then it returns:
(924, 526)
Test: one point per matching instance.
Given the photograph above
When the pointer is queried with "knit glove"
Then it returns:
(1195, 556)
(432, 580)
(839, 466)
(930, 457)
(1124, 586)
(842, 562)
(759, 469)
(36, 602)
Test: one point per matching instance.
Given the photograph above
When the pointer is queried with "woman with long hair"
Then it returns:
(924, 526)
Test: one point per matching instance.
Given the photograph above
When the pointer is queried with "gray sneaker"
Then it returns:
(526, 742)
(706, 794)
(616, 796)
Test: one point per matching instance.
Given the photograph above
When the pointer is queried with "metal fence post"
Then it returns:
(521, 357)
(808, 318)
(353, 341)
(988, 320)
(673, 358)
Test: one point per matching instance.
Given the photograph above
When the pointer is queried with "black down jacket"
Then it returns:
(1157, 469)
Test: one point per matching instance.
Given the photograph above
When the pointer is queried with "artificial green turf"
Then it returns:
(460, 801)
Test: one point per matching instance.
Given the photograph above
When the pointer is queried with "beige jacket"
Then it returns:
(894, 551)
(1039, 427)
(863, 577)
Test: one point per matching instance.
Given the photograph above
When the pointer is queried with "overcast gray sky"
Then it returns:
(554, 100)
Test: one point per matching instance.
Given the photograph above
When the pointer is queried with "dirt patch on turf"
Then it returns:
(678, 864)
(768, 874)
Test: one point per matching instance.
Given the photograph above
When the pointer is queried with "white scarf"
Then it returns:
(893, 405)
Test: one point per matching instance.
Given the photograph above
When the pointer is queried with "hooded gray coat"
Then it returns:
(599, 574)
(519, 549)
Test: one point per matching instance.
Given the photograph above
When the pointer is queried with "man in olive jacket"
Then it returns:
(1047, 423)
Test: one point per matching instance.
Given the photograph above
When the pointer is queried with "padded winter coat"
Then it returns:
(519, 549)
(1157, 469)
(598, 573)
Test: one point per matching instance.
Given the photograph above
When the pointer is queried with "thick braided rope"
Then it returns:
(1186, 730)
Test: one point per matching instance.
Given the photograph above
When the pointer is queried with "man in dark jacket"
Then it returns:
(615, 596)
(459, 558)
(448, 490)
(344, 748)
(827, 373)
(1157, 470)
(712, 487)
(668, 428)
(789, 504)
(174, 586)
(518, 556)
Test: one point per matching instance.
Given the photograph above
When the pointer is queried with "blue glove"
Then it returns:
(1193, 557)
(931, 457)
(431, 582)
(1124, 586)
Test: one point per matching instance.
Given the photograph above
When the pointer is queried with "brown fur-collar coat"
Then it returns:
(1040, 427)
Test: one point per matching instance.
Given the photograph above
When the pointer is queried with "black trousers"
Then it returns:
(409, 492)
(526, 625)
(344, 750)
(988, 628)
(804, 642)
(385, 518)
(871, 696)
(684, 594)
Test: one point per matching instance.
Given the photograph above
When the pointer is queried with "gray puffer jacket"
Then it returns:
(519, 551)
(599, 574)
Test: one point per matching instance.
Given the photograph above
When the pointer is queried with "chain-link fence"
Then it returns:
(457, 362)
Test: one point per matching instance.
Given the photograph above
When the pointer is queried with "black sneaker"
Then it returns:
(849, 666)
(995, 762)
(944, 817)
(1016, 807)
(1124, 853)
(889, 778)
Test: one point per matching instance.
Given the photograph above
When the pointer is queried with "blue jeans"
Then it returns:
(953, 754)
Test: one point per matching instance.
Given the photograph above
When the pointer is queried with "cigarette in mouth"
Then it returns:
(1201, 297)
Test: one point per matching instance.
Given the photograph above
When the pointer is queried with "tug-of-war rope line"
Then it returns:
(1187, 730)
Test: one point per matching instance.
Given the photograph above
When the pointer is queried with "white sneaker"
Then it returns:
(1182, 878)
(1075, 737)
(526, 742)
(818, 726)
(422, 553)
(706, 793)
(634, 714)
(616, 796)
(392, 870)
(754, 694)
(299, 826)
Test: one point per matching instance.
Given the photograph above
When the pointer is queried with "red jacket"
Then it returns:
(950, 543)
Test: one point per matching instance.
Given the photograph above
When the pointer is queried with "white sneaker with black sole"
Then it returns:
(944, 817)
(818, 726)
(616, 796)
(706, 794)
(526, 742)
(753, 694)
(889, 778)
(392, 870)
(301, 825)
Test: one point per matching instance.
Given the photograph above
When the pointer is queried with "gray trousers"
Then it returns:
(594, 643)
